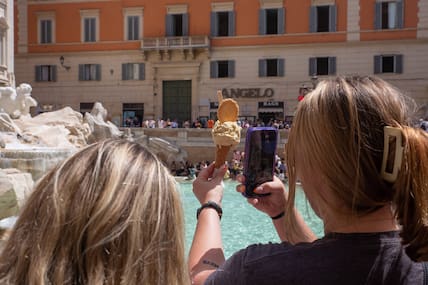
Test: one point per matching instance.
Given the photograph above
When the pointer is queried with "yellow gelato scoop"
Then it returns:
(226, 132)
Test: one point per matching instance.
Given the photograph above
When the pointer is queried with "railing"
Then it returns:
(168, 43)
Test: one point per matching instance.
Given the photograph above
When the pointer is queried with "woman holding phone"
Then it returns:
(363, 168)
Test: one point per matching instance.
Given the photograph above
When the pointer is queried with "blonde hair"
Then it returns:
(338, 132)
(110, 214)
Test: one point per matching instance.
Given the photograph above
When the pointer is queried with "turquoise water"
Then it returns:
(241, 224)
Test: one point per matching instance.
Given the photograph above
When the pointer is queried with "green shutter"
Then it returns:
(142, 71)
(262, 22)
(377, 64)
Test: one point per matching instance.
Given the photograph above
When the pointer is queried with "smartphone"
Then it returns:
(259, 157)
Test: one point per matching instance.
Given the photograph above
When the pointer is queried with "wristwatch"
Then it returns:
(210, 204)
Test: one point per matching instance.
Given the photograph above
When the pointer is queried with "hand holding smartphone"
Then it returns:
(259, 159)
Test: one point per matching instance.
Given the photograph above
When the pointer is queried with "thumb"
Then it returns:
(219, 173)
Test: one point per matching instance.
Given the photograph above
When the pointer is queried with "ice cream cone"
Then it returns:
(221, 154)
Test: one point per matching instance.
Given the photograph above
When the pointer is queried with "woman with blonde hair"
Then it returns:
(364, 170)
(109, 214)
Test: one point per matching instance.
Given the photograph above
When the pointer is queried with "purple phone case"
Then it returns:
(259, 160)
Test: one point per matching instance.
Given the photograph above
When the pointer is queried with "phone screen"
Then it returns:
(260, 152)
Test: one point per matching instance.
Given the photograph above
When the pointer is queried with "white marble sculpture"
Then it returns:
(16, 103)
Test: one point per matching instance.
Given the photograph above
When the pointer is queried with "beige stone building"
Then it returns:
(166, 59)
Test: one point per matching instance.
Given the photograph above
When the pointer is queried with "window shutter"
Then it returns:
(262, 22)
(48, 31)
(142, 71)
(129, 28)
(377, 64)
(331, 65)
(333, 16)
(38, 71)
(53, 70)
(98, 72)
(213, 20)
(124, 71)
(262, 67)
(86, 24)
(378, 15)
(185, 25)
(169, 25)
(231, 68)
(93, 37)
(281, 67)
(398, 63)
(281, 20)
(312, 66)
(400, 15)
(136, 28)
(313, 19)
(231, 23)
(81, 72)
(213, 69)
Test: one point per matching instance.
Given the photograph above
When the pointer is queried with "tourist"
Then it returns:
(109, 214)
(371, 197)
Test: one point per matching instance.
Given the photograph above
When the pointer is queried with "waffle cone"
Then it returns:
(221, 154)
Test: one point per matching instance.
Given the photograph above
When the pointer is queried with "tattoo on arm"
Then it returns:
(213, 264)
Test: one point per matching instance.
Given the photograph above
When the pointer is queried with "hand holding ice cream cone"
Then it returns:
(226, 133)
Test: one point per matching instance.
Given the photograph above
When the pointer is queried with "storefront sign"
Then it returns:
(271, 104)
(248, 93)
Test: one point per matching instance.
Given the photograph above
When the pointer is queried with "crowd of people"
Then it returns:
(112, 214)
(235, 167)
(200, 123)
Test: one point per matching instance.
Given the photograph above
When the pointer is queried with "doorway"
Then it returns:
(177, 100)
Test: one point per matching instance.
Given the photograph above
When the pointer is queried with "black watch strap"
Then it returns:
(210, 204)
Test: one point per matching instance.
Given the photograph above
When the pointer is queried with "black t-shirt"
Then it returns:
(358, 258)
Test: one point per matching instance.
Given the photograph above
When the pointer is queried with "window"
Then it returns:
(323, 19)
(271, 21)
(133, 28)
(45, 27)
(271, 67)
(90, 25)
(222, 69)
(177, 25)
(133, 71)
(88, 72)
(45, 31)
(388, 64)
(86, 107)
(322, 66)
(223, 24)
(389, 15)
(90, 29)
(45, 73)
(133, 23)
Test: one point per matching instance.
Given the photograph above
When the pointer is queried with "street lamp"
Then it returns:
(61, 60)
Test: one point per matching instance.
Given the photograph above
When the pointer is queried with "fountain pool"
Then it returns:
(241, 224)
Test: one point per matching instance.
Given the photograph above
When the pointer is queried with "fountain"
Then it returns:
(31, 146)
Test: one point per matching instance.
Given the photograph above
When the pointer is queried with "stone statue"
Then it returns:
(16, 103)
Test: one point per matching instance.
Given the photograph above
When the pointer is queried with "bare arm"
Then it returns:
(206, 252)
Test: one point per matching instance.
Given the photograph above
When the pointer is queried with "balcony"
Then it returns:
(164, 46)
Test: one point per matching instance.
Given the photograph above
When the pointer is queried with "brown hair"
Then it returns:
(339, 132)
(110, 214)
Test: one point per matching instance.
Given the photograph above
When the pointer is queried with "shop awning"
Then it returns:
(271, 110)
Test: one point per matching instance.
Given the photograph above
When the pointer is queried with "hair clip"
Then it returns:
(395, 134)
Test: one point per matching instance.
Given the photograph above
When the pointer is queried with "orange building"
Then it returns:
(166, 59)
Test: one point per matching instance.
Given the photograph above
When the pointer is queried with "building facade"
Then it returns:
(7, 77)
(166, 59)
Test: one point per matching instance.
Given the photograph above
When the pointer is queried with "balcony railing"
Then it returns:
(169, 43)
